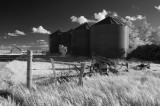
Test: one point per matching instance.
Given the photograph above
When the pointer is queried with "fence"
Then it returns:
(79, 66)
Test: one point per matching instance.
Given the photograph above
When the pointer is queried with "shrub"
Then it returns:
(62, 49)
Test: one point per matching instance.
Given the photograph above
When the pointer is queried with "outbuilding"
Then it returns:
(16, 50)
(54, 41)
(81, 40)
(109, 38)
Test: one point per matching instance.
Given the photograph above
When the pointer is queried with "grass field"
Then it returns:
(135, 88)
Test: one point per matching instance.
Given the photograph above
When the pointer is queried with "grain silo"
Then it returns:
(54, 41)
(81, 40)
(109, 38)
(65, 40)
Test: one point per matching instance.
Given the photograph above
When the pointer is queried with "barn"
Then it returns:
(108, 38)
(16, 50)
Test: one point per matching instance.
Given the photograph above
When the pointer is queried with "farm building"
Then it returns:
(65, 40)
(54, 41)
(108, 38)
(81, 40)
(16, 50)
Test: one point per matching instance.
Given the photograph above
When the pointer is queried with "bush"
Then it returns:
(146, 52)
(62, 49)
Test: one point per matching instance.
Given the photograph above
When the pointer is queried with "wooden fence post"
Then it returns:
(81, 74)
(29, 68)
(54, 72)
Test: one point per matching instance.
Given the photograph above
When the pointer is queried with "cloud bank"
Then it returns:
(97, 17)
(41, 30)
(102, 15)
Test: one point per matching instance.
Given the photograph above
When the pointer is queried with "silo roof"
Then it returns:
(83, 26)
(110, 20)
(57, 32)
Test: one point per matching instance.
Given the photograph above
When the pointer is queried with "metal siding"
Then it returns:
(109, 40)
(65, 40)
(54, 41)
(81, 42)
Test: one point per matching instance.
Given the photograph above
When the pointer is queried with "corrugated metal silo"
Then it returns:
(54, 41)
(65, 40)
(81, 40)
(109, 38)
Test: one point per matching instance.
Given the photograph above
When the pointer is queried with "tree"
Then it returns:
(155, 37)
(145, 31)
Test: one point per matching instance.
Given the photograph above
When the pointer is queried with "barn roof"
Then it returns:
(110, 20)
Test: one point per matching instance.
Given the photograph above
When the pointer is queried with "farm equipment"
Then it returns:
(103, 66)
(143, 66)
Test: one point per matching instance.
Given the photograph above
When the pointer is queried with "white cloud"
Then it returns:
(134, 18)
(24, 46)
(41, 40)
(79, 20)
(12, 34)
(45, 45)
(140, 17)
(97, 17)
(41, 30)
(16, 33)
(157, 7)
(19, 32)
(131, 18)
(101, 15)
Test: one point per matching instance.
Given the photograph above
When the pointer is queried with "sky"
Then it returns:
(28, 23)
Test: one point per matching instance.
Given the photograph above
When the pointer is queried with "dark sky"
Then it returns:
(23, 15)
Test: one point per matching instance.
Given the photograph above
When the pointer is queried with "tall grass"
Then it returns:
(136, 88)
(132, 89)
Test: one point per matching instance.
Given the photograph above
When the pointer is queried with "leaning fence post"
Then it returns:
(29, 68)
(81, 74)
(54, 72)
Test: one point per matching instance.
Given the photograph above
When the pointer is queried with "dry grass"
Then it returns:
(19, 68)
(136, 88)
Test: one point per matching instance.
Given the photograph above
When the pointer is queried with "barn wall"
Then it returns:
(54, 41)
(109, 40)
(81, 42)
